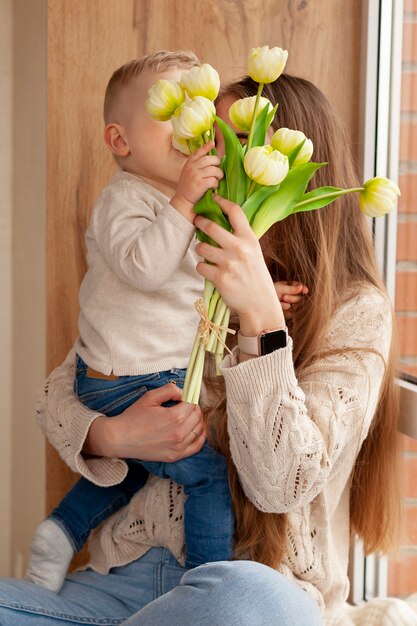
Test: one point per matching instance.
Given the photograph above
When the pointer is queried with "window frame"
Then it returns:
(379, 136)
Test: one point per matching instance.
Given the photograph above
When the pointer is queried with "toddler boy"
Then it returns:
(137, 321)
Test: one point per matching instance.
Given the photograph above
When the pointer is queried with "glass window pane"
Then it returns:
(402, 569)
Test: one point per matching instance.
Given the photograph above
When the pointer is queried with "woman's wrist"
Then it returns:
(99, 440)
(254, 322)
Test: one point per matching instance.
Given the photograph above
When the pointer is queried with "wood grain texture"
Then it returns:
(88, 40)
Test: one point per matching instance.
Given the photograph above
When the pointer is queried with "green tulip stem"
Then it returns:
(208, 292)
(251, 188)
(252, 127)
(333, 194)
(193, 390)
(189, 382)
(219, 353)
(213, 303)
(190, 147)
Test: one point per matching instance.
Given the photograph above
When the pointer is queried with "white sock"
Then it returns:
(50, 555)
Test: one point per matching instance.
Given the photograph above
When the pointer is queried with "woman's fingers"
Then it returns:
(167, 393)
(237, 218)
(210, 272)
(219, 234)
(195, 445)
(208, 252)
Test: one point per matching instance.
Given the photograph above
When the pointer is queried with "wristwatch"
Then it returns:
(266, 342)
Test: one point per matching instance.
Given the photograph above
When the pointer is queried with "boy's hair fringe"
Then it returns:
(155, 62)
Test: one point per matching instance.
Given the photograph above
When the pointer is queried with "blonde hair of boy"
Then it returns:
(156, 62)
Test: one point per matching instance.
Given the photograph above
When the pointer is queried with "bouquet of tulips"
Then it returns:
(268, 181)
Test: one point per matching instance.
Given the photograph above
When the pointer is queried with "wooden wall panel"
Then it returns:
(88, 40)
(322, 38)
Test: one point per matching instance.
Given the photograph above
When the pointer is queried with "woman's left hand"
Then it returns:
(237, 269)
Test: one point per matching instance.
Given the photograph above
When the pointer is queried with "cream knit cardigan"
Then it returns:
(294, 444)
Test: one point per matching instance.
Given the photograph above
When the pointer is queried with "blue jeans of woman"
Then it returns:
(156, 591)
(208, 513)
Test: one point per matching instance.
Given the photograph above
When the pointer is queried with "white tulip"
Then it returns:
(266, 64)
(201, 81)
(378, 197)
(285, 140)
(164, 98)
(193, 118)
(265, 165)
(241, 111)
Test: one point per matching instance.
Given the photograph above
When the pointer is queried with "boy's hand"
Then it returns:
(289, 295)
(200, 172)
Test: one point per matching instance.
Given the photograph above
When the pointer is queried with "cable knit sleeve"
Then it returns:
(65, 422)
(288, 437)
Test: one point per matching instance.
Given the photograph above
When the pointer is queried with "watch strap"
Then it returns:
(252, 345)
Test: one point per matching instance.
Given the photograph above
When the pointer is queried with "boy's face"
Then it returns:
(151, 153)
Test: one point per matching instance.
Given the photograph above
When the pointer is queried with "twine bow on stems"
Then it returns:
(210, 337)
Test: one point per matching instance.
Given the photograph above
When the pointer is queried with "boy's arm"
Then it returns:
(144, 250)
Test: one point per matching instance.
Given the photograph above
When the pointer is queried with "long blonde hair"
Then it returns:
(330, 251)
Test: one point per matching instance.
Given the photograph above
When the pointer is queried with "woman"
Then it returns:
(312, 428)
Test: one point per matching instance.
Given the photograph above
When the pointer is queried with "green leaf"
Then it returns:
(295, 152)
(259, 131)
(233, 164)
(318, 198)
(251, 205)
(222, 188)
(270, 117)
(210, 209)
(281, 203)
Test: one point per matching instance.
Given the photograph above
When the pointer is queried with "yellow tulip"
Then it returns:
(164, 98)
(265, 165)
(266, 64)
(378, 197)
(285, 140)
(241, 111)
(193, 118)
(201, 81)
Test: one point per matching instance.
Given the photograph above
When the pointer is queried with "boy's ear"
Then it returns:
(115, 138)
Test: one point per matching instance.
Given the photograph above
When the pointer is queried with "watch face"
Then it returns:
(272, 341)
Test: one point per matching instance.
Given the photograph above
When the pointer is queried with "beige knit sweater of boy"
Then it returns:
(294, 444)
(136, 299)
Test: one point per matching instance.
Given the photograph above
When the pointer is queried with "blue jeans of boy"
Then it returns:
(208, 513)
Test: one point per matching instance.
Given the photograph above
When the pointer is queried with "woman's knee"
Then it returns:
(253, 593)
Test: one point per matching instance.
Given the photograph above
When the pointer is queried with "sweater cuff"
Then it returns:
(261, 376)
(101, 471)
(178, 220)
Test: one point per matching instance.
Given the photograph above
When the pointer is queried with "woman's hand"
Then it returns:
(238, 270)
(148, 431)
